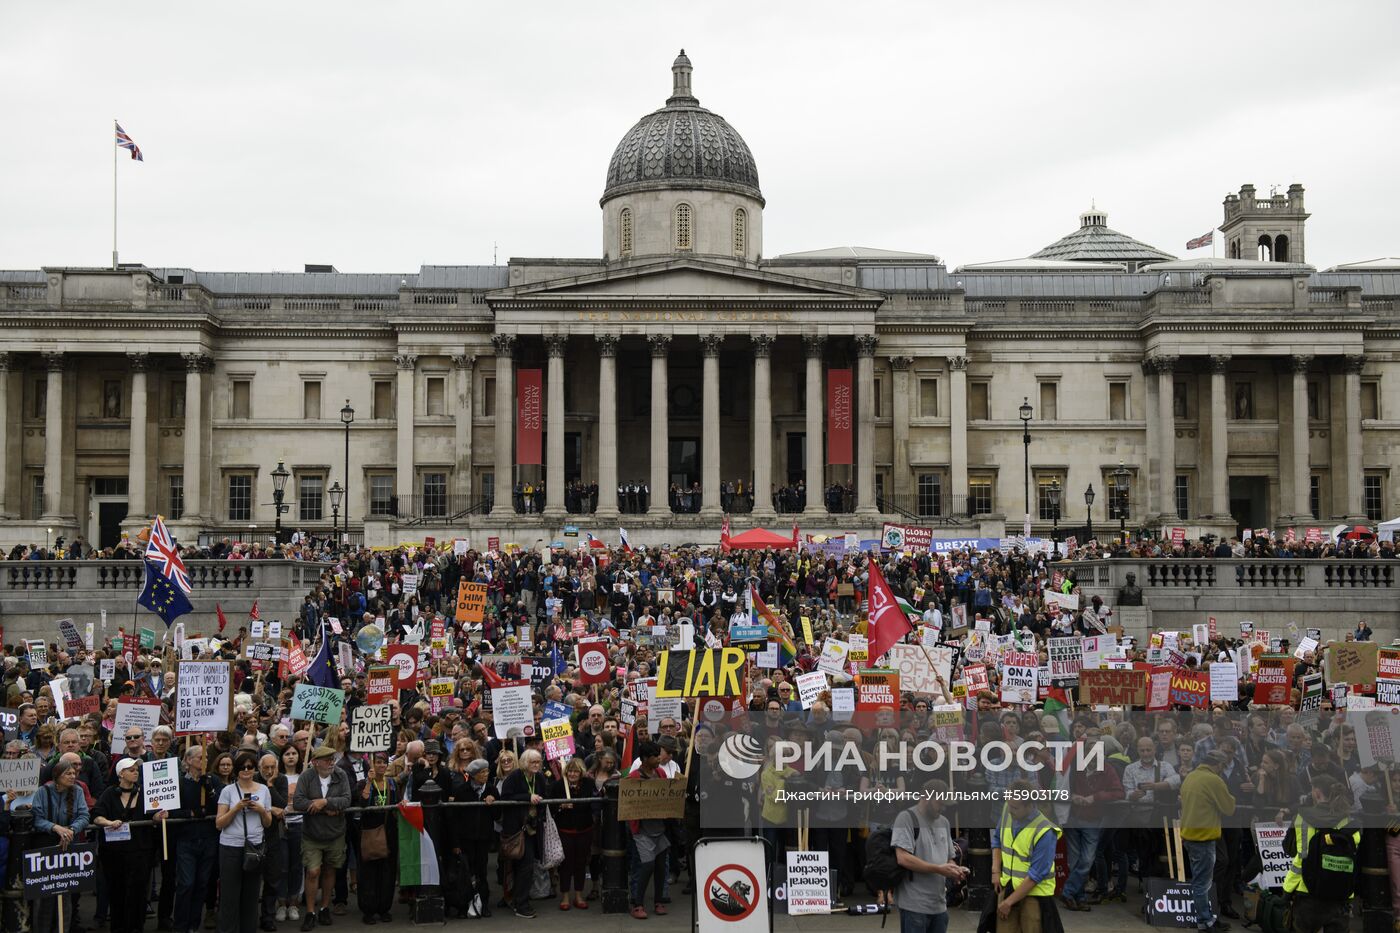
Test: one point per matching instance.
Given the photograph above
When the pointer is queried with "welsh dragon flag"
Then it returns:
(418, 863)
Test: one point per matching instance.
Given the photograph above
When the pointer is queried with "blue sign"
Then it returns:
(747, 633)
(571, 531)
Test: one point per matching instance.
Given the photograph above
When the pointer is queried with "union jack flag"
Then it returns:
(1204, 239)
(126, 142)
(162, 553)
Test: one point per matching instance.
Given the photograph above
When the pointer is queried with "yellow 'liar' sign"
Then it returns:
(711, 672)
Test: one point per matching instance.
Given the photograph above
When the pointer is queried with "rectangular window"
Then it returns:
(434, 495)
(1373, 497)
(240, 497)
(1049, 398)
(1049, 497)
(175, 401)
(41, 398)
(979, 495)
(111, 398)
(1183, 497)
(311, 401)
(488, 396)
(1314, 401)
(311, 504)
(977, 408)
(242, 399)
(382, 403)
(381, 494)
(1370, 401)
(436, 400)
(488, 487)
(878, 398)
(175, 495)
(1315, 496)
(1117, 401)
(1180, 409)
(928, 398)
(36, 497)
(930, 494)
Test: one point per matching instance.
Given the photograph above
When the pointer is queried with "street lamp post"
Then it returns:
(336, 494)
(347, 418)
(1025, 412)
(1120, 490)
(1089, 510)
(279, 492)
(1054, 493)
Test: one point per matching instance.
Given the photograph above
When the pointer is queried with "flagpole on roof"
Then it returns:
(115, 149)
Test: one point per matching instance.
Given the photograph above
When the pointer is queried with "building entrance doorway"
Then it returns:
(796, 457)
(684, 465)
(1249, 502)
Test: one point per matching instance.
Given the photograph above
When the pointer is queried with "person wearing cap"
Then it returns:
(322, 796)
(126, 851)
(470, 829)
(377, 874)
(1205, 799)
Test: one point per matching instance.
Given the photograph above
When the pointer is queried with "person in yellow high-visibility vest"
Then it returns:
(1324, 843)
(1023, 864)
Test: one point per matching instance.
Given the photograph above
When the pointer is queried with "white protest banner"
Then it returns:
(160, 782)
(20, 775)
(1066, 659)
(843, 702)
(372, 728)
(1269, 839)
(203, 696)
(833, 659)
(61, 694)
(142, 713)
(1304, 647)
(1224, 682)
(810, 687)
(808, 883)
(511, 709)
(410, 584)
(659, 708)
(274, 630)
(928, 637)
(768, 657)
(1018, 684)
(558, 737)
(1064, 600)
(916, 675)
(107, 669)
(1200, 634)
(318, 704)
(1098, 649)
(256, 629)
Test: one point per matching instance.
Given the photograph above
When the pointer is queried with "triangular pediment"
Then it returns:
(688, 279)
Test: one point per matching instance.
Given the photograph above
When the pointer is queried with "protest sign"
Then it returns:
(203, 696)
(1388, 664)
(1066, 660)
(1170, 904)
(160, 783)
(808, 883)
(440, 693)
(768, 657)
(1018, 684)
(38, 653)
(655, 799)
(1190, 688)
(20, 775)
(56, 870)
(107, 670)
(859, 647)
(71, 638)
(810, 686)
(142, 712)
(1388, 693)
(404, 660)
(318, 704)
(709, 672)
(558, 737)
(833, 657)
(1126, 688)
(511, 708)
(876, 689)
(1269, 839)
(1352, 662)
(1224, 682)
(1097, 649)
(1273, 681)
(471, 602)
(843, 701)
(1305, 647)
(916, 675)
(593, 663)
(372, 728)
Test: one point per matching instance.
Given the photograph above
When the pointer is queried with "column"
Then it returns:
(607, 425)
(659, 499)
(865, 423)
(762, 425)
(462, 429)
(137, 480)
(53, 436)
(710, 480)
(1219, 439)
(901, 485)
(503, 444)
(196, 364)
(957, 431)
(815, 345)
(1302, 485)
(554, 426)
(1353, 468)
(1166, 444)
(1151, 489)
(5, 511)
(403, 427)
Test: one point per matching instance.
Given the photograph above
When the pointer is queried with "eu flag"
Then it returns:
(162, 596)
(320, 671)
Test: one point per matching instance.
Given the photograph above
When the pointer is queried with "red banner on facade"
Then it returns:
(529, 417)
(840, 416)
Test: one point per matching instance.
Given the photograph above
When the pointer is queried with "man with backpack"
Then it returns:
(923, 850)
(1322, 876)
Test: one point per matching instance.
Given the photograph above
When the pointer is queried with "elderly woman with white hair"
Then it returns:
(520, 827)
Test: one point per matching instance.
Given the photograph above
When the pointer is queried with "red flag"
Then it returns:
(888, 623)
(627, 749)
(253, 613)
(492, 678)
(222, 621)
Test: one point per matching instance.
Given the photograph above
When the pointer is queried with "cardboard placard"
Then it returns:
(512, 708)
(1269, 838)
(558, 737)
(160, 783)
(203, 696)
(1224, 682)
(372, 728)
(1126, 688)
(1018, 684)
(808, 883)
(318, 704)
(59, 870)
(471, 602)
(1273, 681)
(709, 672)
(20, 775)
(1190, 688)
(877, 690)
(653, 799)
(810, 687)
(1352, 662)
(142, 712)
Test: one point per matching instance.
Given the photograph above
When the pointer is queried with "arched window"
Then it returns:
(1281, 248)
(683, 227)
(1234, 249)
(741, 219)
(624, 232)
(1266, 248)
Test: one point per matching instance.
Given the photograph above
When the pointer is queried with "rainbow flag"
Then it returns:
(777, 630)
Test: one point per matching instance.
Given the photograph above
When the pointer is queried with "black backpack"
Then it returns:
(1329, 865)
(882, 871)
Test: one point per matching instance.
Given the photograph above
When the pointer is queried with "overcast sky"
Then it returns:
(381, 136)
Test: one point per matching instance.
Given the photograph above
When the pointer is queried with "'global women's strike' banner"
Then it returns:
(529, 426)
(840, 416)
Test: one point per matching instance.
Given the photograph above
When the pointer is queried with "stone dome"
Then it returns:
(683, 146)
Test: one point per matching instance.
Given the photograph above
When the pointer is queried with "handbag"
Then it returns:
(513, 846)
(253, 852)
(552, 847)
(374, 843)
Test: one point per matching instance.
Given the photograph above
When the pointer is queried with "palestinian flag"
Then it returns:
(1056, 700)
(418, 862)
(913, 614)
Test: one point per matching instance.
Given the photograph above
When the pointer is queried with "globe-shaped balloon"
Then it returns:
(369, 638)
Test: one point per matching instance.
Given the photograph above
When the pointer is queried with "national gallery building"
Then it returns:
(684, 374)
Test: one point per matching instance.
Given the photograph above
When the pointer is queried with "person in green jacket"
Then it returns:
(1323, 843)
(1204, 801)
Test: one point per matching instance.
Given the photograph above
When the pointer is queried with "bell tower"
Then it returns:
(1268, 228)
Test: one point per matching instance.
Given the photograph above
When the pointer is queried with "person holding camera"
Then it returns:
(245, 813)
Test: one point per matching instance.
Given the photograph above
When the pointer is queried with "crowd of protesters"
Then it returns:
(322, 816)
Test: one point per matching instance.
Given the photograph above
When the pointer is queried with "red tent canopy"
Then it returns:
(758, 539)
